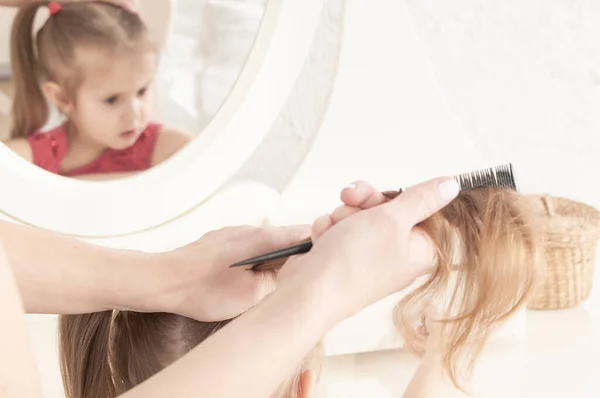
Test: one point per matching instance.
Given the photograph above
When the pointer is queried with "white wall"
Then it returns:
(524, 77)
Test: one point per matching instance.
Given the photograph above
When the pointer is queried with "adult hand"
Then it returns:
(357, 196)
(198, 282)
(371, 247)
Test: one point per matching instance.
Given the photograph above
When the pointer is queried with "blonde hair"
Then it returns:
(488, 259)
(103, 355)
(53, 54)
(485, 238)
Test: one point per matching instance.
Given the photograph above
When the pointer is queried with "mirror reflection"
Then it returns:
(97, 92)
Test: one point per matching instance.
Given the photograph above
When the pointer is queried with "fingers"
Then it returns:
(357, 196)
(323, 223)
(423, 200)
(320, 226)
(362, 195)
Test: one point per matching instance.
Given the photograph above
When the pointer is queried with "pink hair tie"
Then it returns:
(54, 7)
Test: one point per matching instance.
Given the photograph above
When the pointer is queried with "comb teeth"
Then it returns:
(495, 177)
(501, 177)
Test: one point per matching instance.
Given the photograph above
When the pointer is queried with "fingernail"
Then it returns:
(448, 189)
(349, 186)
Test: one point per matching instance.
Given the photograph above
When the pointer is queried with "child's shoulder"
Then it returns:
(168, 142)
(38, 143)
(21, 147)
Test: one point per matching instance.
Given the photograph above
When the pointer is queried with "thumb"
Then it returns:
(421, 201)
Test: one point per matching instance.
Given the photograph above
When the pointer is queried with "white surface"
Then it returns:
(240, 203)
(177, 185)
(524, 77)
(559, 357)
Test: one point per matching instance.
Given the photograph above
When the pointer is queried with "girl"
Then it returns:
(95, 62)
(105, 354)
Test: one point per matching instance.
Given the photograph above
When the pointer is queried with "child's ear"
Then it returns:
(58, 97)
(307, 384)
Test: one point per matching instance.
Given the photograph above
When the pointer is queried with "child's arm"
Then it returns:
(21, 147)
(168, 143)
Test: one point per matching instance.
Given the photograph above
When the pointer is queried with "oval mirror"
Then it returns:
(225, 71)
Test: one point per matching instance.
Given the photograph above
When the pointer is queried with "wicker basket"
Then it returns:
(570, 231)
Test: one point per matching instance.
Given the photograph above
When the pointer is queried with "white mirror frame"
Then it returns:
(89, 209)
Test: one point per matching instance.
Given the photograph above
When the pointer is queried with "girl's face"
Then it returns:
(114, 103)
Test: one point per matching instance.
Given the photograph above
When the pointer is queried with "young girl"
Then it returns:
(106, 354)
(95, 62)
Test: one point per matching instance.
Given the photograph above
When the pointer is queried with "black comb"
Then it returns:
(501, 177)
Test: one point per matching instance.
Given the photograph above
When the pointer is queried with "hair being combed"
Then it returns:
(52, 55)
(487, 263)
(103, 355)
(488, 259)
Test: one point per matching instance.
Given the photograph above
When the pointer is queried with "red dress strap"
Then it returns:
(49, 149)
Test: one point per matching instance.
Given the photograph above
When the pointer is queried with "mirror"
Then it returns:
(148, 102)
(229, 92)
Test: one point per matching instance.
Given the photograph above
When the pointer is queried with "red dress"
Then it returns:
(49, 149)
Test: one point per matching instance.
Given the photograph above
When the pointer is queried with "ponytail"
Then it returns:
(84, 355)
(30, 109)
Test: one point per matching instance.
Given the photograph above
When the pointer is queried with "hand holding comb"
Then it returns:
(501, 177)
